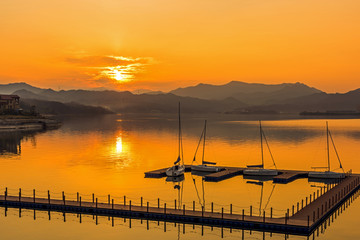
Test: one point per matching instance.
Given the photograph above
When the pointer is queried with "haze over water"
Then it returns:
(109, 155)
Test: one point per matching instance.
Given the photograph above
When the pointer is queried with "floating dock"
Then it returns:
(285, 176)
(303, 221)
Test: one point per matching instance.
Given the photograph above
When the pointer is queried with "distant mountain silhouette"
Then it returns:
(57, 108)
(349, 101)
(234, 97)
(128, 102)
(12, 87)
(249, 93)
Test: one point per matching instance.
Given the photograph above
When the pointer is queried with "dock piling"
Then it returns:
(19, 194)
(231, 208)
(147, 207)
(49, 196)
(158, 202)
(271, 212)
(212, 207)
(184, 209)
(80, 201)
(77, 196)
(96, 204)
(222, 213)
(250, 210)
(34, 195)
(93, 197)
(130, 205)
(112, 204)
(109, 199)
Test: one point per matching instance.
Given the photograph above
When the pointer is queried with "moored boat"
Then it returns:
(178, 168)
(259, 170)
(328, 174)
(205, 166)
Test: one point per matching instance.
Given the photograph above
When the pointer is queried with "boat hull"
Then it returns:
(174, 171)
(260, 172)
(326, 175)
(204, 168)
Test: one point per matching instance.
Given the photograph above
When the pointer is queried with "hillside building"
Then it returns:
(9, 103)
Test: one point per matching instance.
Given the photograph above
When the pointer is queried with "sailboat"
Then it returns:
(205, 166)
(178, 168)
(259, 170)
(328, 174)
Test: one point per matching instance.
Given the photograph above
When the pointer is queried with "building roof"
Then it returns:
(9, 97)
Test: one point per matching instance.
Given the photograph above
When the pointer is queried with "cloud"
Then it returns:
(110, 71)
(106, 61)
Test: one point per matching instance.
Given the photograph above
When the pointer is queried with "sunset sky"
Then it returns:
(162, 44)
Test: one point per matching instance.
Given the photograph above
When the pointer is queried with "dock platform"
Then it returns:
(285, 176)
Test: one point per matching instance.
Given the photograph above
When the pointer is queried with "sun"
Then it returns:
(118, 76)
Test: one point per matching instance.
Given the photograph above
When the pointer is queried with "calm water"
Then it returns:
(109, 155)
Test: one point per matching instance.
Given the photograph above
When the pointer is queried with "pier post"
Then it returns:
(175, 204)
(243, 214)
(222, 213)
(297, 206)
(302, 203)
(141, 201)
(306, 201)
(124, 200)
(49, 196)
(130, 205)
(231, 208)
(293, 210)
(310, 198)
(109, 199)
(5, 193)
(212, 207)
(250, 210)
(264, 216)
(77, 196)
(96, 204)
(19, 194)
(147, 207)
(194, 206)
(286, 218)
(63, 195)
(158, 202)
(112, 204)
(93, 197)
(184, 210)
(271, 212)
(202, 211)
(34, 195)
(80, 201)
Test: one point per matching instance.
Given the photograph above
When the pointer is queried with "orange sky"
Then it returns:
(161, 44)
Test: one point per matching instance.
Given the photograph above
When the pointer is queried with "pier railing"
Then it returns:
(304, 214)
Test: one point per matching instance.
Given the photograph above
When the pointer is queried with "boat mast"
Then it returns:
(327, 143)
(179, 131)
(203, 155)
(261, 142)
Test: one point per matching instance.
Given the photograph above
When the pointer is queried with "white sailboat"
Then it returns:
(259, 170)
(328, 174)
(205, 166)
(178, 168)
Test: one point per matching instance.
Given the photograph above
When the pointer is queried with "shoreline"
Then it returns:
(28, 124)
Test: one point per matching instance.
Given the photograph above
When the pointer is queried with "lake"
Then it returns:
(109, 155)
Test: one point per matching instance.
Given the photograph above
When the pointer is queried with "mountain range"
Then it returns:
(233, 97)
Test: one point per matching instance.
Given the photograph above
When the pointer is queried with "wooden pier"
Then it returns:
(302, 221)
